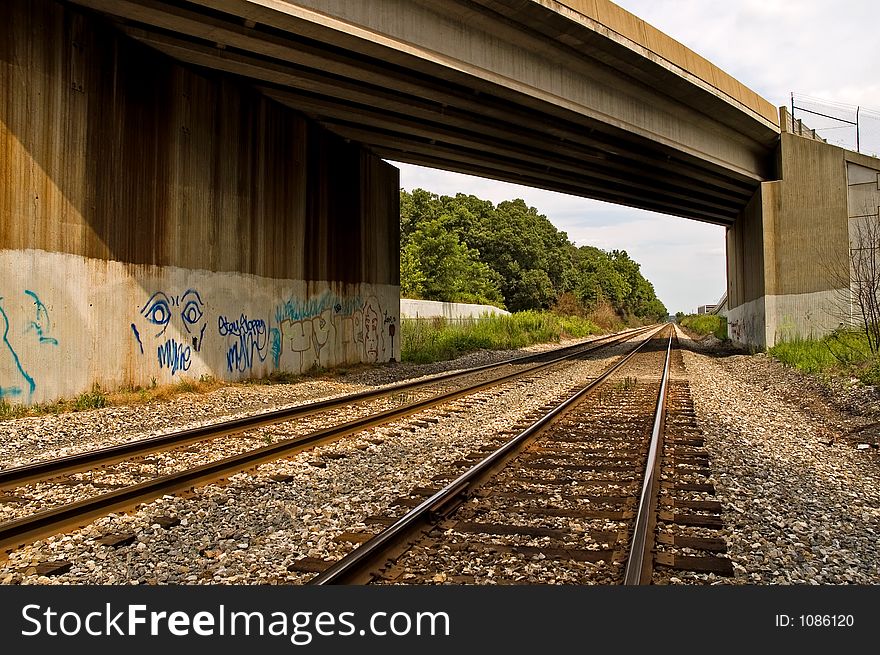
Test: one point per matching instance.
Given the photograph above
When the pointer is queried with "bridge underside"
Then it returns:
(525, 92)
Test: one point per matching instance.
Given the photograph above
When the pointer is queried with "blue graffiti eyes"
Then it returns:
(158, 312)
(191, 313)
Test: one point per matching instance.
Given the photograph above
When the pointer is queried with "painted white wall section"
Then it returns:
(772, 319)
(745, 323)
(449, 310)
(807, 315)
(67, 321)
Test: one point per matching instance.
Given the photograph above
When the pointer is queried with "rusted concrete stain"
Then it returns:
(114, 151)
(158, 222)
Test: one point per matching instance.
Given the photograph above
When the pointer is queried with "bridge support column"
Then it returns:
(788, 265)
(159, 222)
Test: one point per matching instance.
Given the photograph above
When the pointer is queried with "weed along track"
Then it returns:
(47, 497)
(575, 495)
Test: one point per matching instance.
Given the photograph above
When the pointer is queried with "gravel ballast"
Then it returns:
(251, 530)
(801, 499)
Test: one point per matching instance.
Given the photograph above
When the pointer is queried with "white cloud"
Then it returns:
(817, 47)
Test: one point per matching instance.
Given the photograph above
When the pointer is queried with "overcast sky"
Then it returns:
(822, 48)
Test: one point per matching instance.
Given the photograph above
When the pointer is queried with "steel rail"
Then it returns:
(353, 566)
(639, 564)
(55, 520)
(20, 475)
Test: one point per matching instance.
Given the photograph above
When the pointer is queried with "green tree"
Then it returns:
(412, 278)
(435, 265)
(416, 207)
(598, 279)
(464, 248)
(641, 301)
(532, 257)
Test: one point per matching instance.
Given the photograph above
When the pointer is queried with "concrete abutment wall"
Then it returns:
(788, 253)
(158, 221)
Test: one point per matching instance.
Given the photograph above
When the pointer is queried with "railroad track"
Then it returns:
(127, 470)
(610, 485)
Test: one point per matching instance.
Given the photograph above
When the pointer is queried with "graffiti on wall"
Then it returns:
(374, 342)
(351, 331)
(299, 335)
(358, 327)
(275, 338)
(186, 312)
(36, 324)
(306, 327)
(307, 339)
(744, 330)
(247, 341)
(736, 331)
(295, 309)
(40, 324)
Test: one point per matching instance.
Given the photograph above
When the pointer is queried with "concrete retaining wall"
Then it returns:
(67, 322)
(448, 310)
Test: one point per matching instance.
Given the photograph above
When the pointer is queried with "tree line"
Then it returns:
(464, 249)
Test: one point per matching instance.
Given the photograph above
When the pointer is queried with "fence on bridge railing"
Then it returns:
(848, 126)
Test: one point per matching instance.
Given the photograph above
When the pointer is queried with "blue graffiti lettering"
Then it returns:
(251, 341)
(294, 309)
(174, 355)
(275, 335)
(241, 326)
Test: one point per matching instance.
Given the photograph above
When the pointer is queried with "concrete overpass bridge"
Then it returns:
(197, 188)
(564, 96)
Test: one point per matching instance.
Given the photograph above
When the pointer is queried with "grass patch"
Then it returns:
(703, 324)
(139, 395)
(805, 355)
(97, 398)
(9, 411)
(94, 399)
(841, 353)
(425, 341)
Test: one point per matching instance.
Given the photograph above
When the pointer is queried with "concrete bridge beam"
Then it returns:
(541, 79)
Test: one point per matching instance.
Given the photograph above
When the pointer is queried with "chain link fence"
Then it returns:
(849, 126)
